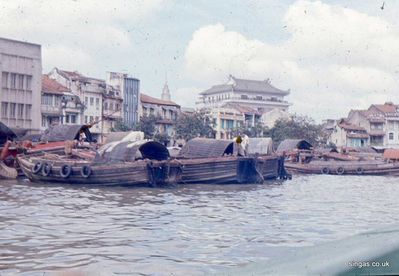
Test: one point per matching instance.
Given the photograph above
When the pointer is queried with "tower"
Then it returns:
(165, 92)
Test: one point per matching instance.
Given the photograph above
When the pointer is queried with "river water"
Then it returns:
(183, 230)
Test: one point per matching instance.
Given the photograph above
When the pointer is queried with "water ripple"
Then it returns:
(195, 229)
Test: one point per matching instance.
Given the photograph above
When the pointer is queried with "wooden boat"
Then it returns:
(216, 161)
(126, 163)
(375, 167)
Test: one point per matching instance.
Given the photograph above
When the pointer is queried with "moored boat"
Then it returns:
(120, 163)
(375, 167)
(217, 161)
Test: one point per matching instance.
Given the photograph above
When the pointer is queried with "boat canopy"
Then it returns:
(291, 144)
(121, 151)
(60, 133)
(260, 146)
(124, 136)
(204, 147)
(6, 134)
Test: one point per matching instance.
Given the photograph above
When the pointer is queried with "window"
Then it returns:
(97, 102)
(244, 97)
(96, 118)
(44, 121)
(13, 80)
(67, 119)
(20, 112)
(57, 100)
(47, 100)
(4, 79)
(105, 106)
(86, 119)
(28, 111)
(390, 136)
(13, 107)
(4, 110)
(117, 107)
(28, 82)
(111, 106)
(73, 119)
(259, 98)
(86, 101)
(91, 101)
(21, 82)
(91, 119)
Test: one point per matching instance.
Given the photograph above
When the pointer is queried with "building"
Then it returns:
(58, 104)
(165, 111)
(346, 134)
(230, 116)
(381, 121)
(259, 95)
(90, 91)
(242, 102)
(21, 71)
(130, 92)
(112, 108)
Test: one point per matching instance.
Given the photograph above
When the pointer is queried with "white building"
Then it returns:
(259, 95)
(241, 102)
(90, 91)
(381, 121)
(58, 104)
(21, 71)
(130, 92)
(345, 134)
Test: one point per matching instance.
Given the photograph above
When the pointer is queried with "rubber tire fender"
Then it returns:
(46, 169)
(325, 170)
(66, 170)
(85, 171)
(37, 167)
(340, 170)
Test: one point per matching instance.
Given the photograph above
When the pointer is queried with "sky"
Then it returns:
(333, 55)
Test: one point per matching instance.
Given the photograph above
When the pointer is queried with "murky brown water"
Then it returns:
(196, 229)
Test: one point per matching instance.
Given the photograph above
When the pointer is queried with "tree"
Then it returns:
(121, 126)
(252, 131)
(147, 125)
(189, 126)
(298, 127)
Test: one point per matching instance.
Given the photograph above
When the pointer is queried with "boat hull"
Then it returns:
(345, 167)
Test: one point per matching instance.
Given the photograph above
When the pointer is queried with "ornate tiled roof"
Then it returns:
(52, 86)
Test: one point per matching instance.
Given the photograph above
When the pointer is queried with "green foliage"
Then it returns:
(147, 125)
(298, 127)
(256, 131)
(189, 126)
(121, 126)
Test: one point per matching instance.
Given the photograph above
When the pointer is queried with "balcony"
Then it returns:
(48, 109)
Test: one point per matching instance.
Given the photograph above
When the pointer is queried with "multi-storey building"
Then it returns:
(381, 121)
(259, 95)
(130, 92)
(345, 134)
(58, 104)
(90, 91)
(21, 70)
(112, 108)
(165, 111)
(241, 101)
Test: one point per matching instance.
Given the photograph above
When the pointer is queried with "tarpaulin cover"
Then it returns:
(130, 151)
(290, 144)
(65, 132)
(6, 134)
(260, 146)
(203, 147)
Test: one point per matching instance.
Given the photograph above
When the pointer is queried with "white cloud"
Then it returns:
(335, 58)
(82, 29)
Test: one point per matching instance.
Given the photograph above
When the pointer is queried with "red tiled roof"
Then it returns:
(386, 108)
(347, 126)
(75, 75)
(151, 100)
(243, 109)
(391, 154)
(52, 86)
(357, 135)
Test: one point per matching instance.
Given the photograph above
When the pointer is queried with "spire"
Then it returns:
(165, 91)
